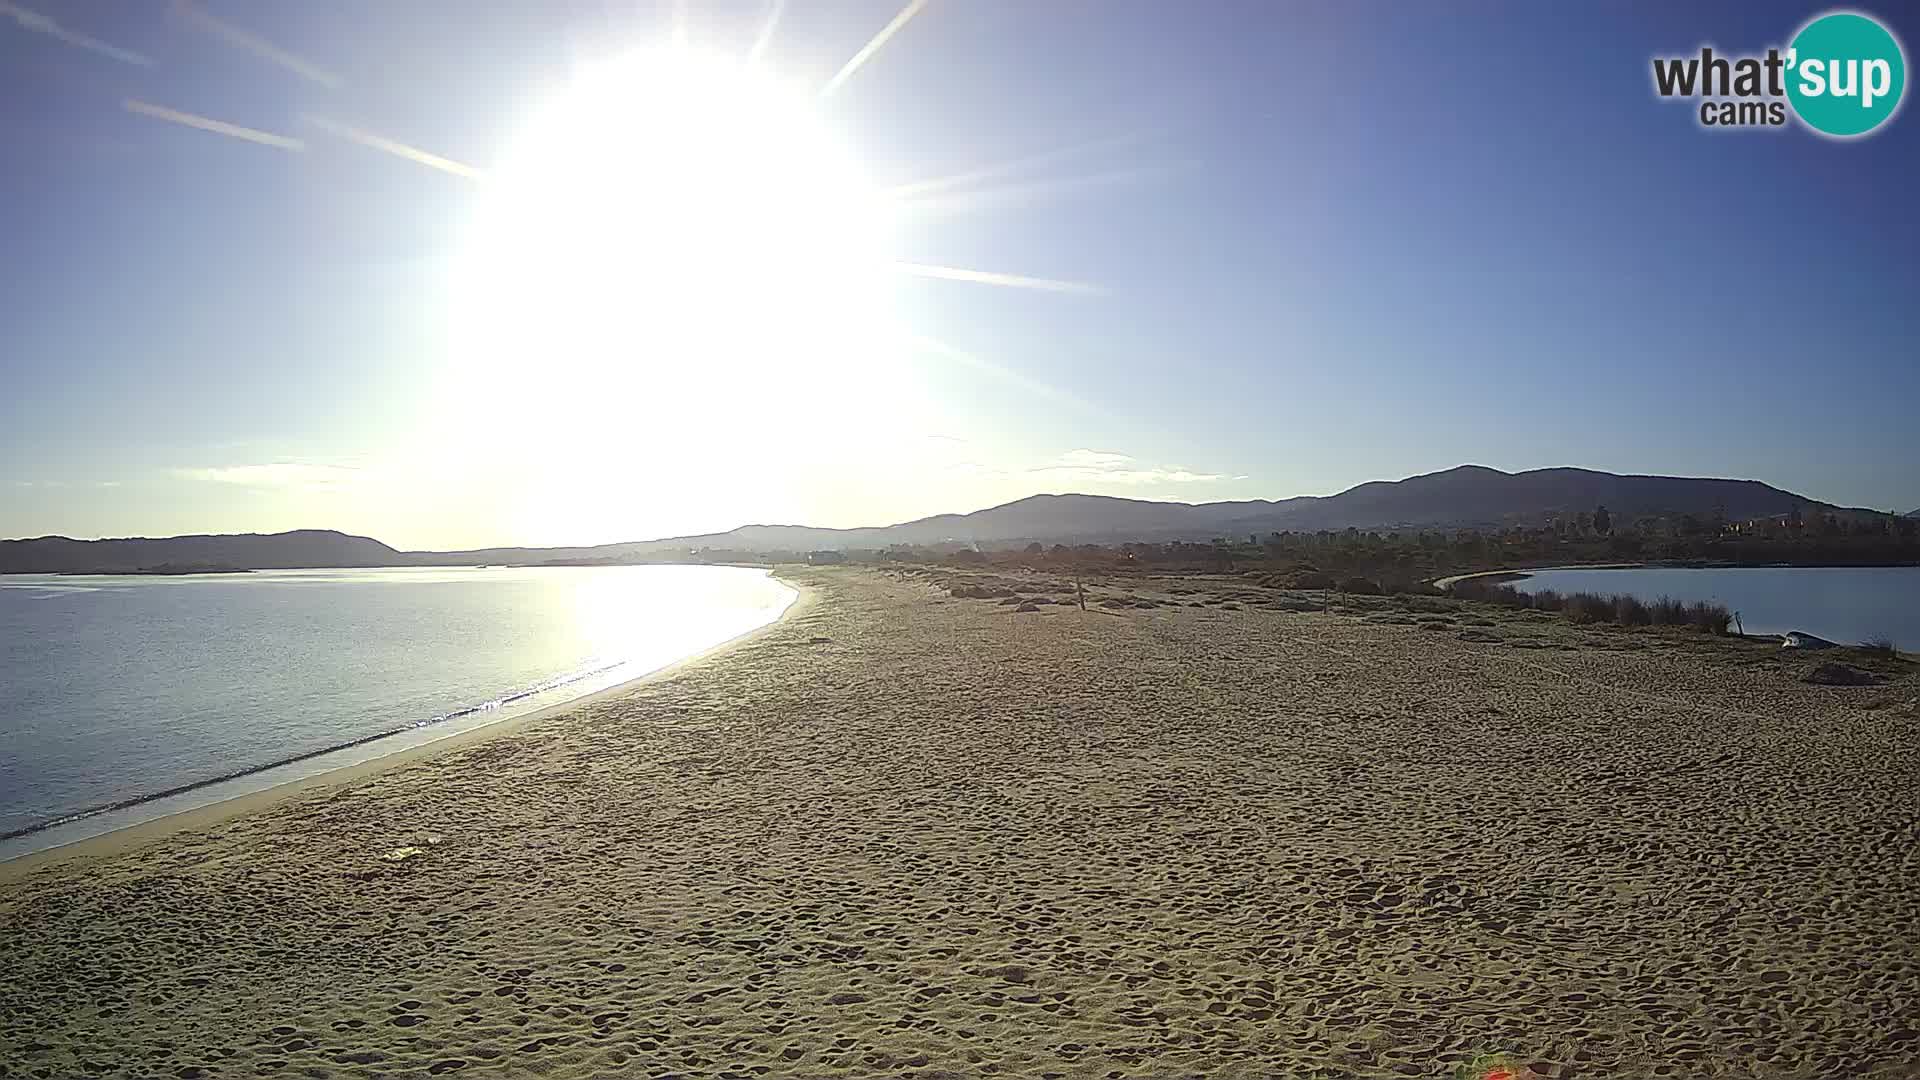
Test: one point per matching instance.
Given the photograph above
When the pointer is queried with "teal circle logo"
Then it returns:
(1846, 74)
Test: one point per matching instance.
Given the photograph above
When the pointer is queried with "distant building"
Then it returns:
(825, 558)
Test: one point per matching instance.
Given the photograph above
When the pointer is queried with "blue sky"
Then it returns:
(1323, 244)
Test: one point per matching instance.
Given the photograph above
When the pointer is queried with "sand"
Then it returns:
(899, 833)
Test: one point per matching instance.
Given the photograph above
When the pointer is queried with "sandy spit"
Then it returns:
(902, 834)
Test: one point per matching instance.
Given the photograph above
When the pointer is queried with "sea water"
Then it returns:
(126, 698)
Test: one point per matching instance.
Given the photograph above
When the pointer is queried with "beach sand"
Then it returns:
(899, 833)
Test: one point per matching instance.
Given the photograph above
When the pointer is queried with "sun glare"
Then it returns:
(671, 214)
(674, 275)
(676, 256)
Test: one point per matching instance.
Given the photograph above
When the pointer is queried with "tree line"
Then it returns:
(1395, 557)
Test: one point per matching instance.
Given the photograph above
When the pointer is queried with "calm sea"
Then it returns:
(126, 698)
(1845, 604)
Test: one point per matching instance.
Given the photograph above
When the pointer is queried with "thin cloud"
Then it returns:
(1108, 467)
(1093, 459)
(1035, 190)
(979, 363)
(395, 147)
(994, 277)
(287, 475)
(765, 37)
(255, 44)
(921, 189)
(208, 123)
(41, 24)
(872, 48)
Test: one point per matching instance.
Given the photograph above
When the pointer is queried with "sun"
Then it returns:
(671, 214)
(675, 257)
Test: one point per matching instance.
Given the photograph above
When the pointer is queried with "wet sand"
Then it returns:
(899, 833)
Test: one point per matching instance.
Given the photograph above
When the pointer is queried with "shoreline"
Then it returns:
(1521, 573)
(1195, 827)
(1517, 573)
(127, 837)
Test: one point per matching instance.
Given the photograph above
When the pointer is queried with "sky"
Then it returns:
(459, 274)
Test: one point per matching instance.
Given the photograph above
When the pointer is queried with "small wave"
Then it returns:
(492, 704)
(555, 683)
(47, 592)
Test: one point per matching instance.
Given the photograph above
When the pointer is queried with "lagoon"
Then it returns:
(1848, 604)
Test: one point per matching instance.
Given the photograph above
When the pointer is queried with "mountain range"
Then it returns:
(1466, 496)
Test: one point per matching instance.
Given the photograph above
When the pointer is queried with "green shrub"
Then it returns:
(1586, 607)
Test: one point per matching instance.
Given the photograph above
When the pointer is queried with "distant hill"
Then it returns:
(1470, 495)
(256, 551)
(1477, 495)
